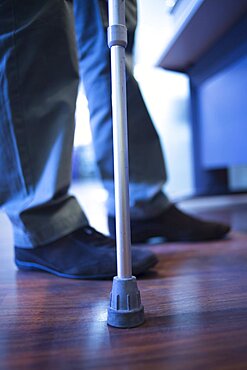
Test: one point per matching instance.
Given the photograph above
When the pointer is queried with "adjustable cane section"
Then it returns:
(125, 308)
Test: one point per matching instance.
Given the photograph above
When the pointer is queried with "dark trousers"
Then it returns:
(38, 89)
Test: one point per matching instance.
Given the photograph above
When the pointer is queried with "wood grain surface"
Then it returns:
(195, 303)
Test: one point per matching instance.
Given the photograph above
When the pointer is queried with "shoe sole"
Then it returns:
(183, 239)
(32, 266)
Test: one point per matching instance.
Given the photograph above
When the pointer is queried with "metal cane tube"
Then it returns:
(120, 163)
(125, 309)
(116, 12)
(120, 141)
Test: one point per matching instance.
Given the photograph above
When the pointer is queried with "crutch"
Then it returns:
(125, 309)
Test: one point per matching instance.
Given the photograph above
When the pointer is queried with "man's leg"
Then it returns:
(151, 212)
(146, 164)
(39, 80)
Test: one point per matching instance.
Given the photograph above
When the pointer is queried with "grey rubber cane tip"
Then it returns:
(125, 309)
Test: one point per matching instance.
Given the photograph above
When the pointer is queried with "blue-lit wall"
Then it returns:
(223, 115)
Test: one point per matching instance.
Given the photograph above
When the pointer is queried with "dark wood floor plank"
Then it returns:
(195, 303)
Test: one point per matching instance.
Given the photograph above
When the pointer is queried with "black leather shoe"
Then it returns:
(173, 225)
(83, 254)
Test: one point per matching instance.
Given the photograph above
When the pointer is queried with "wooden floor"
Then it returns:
(195, 304)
